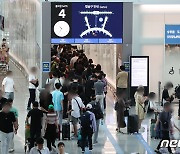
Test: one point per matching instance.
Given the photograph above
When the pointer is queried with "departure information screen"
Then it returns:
(86, 23)
(139, 71)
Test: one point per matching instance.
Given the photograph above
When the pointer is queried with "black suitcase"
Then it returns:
(132, 126)
(66, 131)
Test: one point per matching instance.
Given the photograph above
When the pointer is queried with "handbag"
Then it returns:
(36, 84)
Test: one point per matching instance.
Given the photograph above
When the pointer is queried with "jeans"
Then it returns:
(32, 96)
(6, 138)
(165, 136)
(11, 146)
(60, 116)
(34, 134)
(9, 95)
(86, 134)
(96, 132)
(100, 99)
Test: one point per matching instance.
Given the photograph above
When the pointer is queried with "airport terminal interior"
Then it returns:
(92, 77)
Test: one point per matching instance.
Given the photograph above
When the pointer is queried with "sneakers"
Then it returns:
(95, 142)
(11, 150)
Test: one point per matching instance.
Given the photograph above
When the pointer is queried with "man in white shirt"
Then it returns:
(8, 86)
(74, 59)
(39, 149)
(32, 88)
(77, 106)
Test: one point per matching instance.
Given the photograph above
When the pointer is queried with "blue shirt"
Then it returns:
(58, 97)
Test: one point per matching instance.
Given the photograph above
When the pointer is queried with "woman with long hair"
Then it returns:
(51, 127)
(140, 106)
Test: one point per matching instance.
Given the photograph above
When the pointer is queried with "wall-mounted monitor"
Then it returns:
(86, 23)
(139, 73)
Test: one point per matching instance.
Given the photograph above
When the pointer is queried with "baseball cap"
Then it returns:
(51, 107)
(88, 106)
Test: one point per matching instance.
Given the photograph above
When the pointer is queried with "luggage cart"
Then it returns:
(27, 138)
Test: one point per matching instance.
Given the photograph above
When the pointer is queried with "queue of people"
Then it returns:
(76, 88)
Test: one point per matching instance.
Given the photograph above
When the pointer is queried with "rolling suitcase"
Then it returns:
(66, 131)
(132, 126)
(152, 131)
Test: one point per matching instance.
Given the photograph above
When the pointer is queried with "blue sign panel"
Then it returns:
(172, 34)
(110, 41)
(86, 41)
(87, 22)
(127, 66)
(46, 66)
(62, 41)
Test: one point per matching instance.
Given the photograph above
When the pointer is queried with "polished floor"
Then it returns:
(109, 142)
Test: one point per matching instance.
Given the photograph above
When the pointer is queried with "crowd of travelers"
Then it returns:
(75, 93)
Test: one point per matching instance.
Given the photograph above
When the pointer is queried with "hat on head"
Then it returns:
(88, 106)
(51, 107)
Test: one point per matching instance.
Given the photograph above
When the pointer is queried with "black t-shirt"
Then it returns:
(45, 99)
(165, 94)
(6, 122)
(36, 116)
(89, 88)
(2, 101)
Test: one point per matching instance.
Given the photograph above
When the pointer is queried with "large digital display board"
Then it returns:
(84, 23)
(139, 71)
(172, 34)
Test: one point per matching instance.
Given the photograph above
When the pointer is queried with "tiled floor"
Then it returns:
(109, 141)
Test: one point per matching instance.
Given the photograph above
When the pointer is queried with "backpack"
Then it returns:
(97, 111)
(85, 121)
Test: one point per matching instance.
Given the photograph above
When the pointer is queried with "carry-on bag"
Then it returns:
(66, 131)
(132, 126)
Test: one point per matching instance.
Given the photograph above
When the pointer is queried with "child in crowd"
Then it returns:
(61, 148)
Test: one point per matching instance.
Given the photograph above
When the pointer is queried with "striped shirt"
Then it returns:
(52, 118)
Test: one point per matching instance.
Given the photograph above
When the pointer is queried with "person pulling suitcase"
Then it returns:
(88, 127)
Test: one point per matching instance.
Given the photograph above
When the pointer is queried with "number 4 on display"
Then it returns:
(62, 13)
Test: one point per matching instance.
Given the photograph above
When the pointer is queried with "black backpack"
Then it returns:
(97, 111)
(85, 120)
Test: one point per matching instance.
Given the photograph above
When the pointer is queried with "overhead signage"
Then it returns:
(86, 23)
(172, 34)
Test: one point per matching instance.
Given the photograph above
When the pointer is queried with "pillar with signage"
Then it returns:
(139, 74)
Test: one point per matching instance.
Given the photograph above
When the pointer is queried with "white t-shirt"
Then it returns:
(153, 105)
(76, 111)
(8, 84)
(31, 77)
(59, 80)
(73, 60)
(34, 150)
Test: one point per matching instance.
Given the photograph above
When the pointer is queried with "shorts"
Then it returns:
(60, 116)
(74, 120)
